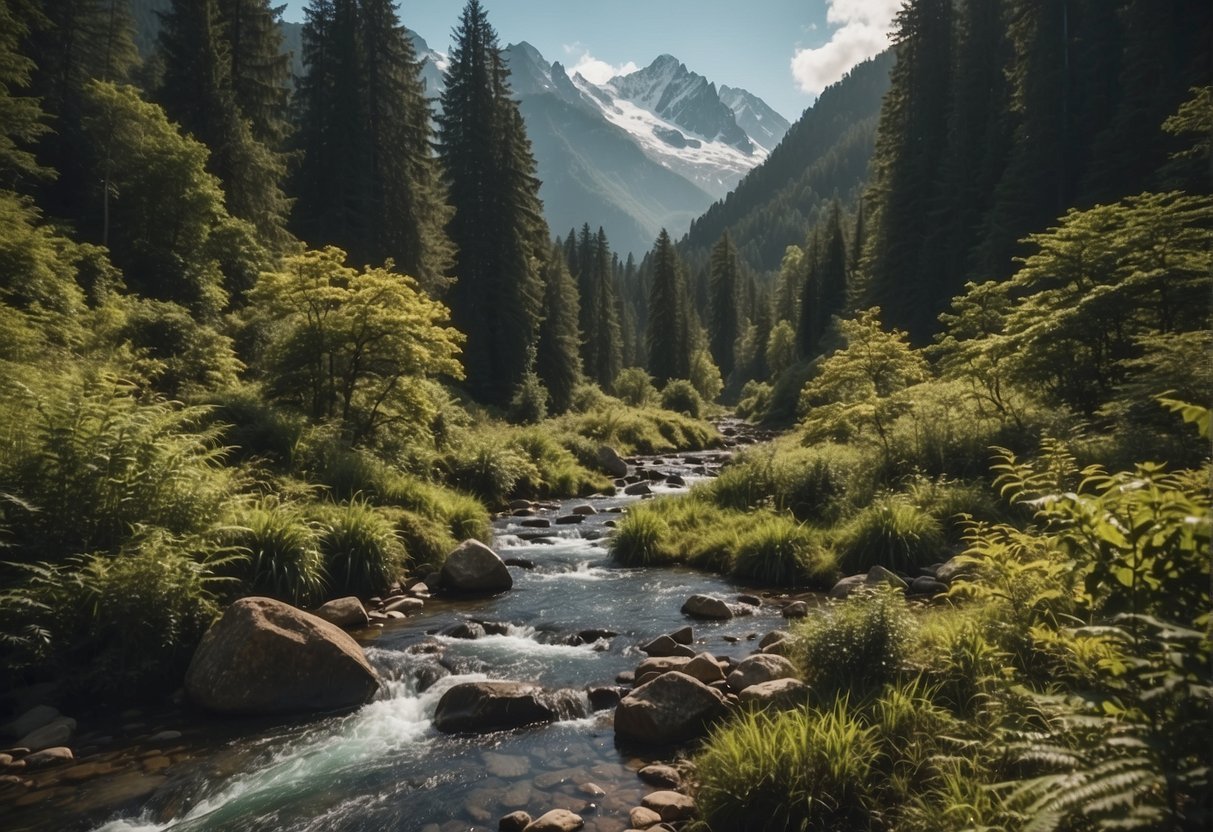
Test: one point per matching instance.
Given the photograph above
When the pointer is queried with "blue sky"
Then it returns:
(784, 51)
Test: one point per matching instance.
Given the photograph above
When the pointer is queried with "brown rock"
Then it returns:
(478, 707)
(666, 646)
(557, 820)
(683, 635)
(672, 708)
(658, 775)
(264, 657)
(514, 822)
(407, 606)
(704, 668)
(796, 609)
(48, 757)
(344, 612)
(705, 606)
(671, 806)
(759, 668)
(777, 694)
(642, 818)
(475, 569)
(56, 732)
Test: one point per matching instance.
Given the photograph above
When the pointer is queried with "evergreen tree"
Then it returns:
(905, 169)
(368, 181)
(808, 332)
(605, 333)
(259, 68)
(831, 275)
(723, 323)
(497, 225)
(21, 118)
(77, 41)
(668, 338)
(557, 351)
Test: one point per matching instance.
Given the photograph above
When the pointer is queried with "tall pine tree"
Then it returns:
(497, 226)
(723, 299)
(368, 181)
(668, 338)
(557, 351)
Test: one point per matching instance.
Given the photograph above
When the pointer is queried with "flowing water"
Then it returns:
(385, 766)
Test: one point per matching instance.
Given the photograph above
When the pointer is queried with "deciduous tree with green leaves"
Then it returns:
(355, 347)
(862, 386)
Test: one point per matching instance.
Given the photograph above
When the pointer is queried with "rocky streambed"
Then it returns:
(575, 626)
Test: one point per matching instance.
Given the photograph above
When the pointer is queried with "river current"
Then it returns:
(385, 766)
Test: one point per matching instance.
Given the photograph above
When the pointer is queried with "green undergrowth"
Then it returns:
(762, 546)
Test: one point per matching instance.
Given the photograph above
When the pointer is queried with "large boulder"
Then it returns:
(759, 668)
(777, 694)
(344, 612)
(707, 606)
(610, 461)
(480, 707)
(266, 657)
(474, 569)
(666, 646)
(671, 708)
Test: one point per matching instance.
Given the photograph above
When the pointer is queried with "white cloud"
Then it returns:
(864, 28)
(599, 72)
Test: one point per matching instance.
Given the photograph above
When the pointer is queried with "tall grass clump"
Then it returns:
(639, 539)
(795, 770)
(856, 645)
(282, 545)
(814, 483)
(775, 549)
(893, 533)
(362, 553)
(426, 540)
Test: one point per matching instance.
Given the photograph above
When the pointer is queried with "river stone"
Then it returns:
(761, 667)
(954, 568)
(663, 646)
(603, 697)
(705, 668)
(683, 635)
(557, 820)
(610, 461)
(405, 606)
(467, 630)
(48, 757)
(514, 822)
(845, 587)
(638, 489)
(56, 732)
(536, 523)
(796, 609)
(585, 510)
(661, 664)
(878, 575)
(344, 612)
(505, 765)
(672, 806)
(569, 519)
(266, 657)
(925, 585)
(707, 606)
(671, 708)
(480, 707)
(643, 818)
(778, 694)
(31, 720)
(772, 637)
(474, 568)
(667, 777)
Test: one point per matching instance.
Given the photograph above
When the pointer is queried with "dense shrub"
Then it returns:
(857, 645)
(529, 403)
(893, 533)
(635, 387)
(775, 549)
(680, 396)
(813, 483)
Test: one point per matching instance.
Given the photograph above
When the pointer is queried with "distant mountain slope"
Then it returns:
(826, 152)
